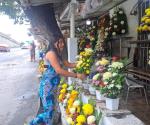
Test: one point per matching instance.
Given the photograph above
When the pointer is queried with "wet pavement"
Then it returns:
(19, 84)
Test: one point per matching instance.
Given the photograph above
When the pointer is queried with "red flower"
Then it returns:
(115, 58)
(102, 84)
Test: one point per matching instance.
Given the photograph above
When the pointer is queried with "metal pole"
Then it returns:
(72, 18)
(120, 40)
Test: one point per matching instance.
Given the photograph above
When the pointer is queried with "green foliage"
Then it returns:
(114, 84)
(14, 10)
(87, 37)
(92, 102)
(98, 117)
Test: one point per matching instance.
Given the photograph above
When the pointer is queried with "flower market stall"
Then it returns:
(78, 107)
(95, 100)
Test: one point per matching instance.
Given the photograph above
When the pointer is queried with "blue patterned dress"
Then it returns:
(48, 95)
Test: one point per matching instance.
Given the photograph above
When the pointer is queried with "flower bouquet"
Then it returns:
(84, 62)
(76, 112)
(113, 82)
(41, 68)
(87, 38)
(97, 79)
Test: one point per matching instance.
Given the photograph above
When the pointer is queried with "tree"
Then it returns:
(13, 9)
(41, 17)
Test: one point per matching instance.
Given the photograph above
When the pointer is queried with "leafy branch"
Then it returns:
(13, 9)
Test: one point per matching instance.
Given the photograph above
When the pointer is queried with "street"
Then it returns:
(19, 84)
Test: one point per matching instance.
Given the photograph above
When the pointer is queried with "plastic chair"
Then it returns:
(133, 84)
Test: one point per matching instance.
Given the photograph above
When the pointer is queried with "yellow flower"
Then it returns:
(148, 13)
(64, 86)
(78, 109)
(81, 119)
(74, 92)
(63, 91)
(69, 121)
(87, 109)
(79, 63)
(139, 29)
(147, 10)
(78, 124)
(76, 103)
(87, 65)
(87, 60)
(70, 102)
(87, 71)
(145, 28)
(72, 123)
(147, 21)
(107, 75)
(143, 19)
(103, 62)
(72, 110)
(60, 97)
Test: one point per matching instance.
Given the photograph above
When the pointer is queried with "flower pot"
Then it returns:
(92, 90)
(99, 96)
(85, 86)
(79, 81)
(112, 104)
(85, 98)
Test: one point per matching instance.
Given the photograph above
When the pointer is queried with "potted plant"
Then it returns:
(97, 78)
(97, 84)
(113, 83)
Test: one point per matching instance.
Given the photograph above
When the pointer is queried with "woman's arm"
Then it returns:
(51, 56)
(68, 64)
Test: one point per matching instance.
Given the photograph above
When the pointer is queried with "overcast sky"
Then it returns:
(17, 32)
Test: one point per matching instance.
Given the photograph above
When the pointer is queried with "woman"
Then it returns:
(51, 79)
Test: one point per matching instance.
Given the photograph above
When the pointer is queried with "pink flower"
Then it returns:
(101, 68)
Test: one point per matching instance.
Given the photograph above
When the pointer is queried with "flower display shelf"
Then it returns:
(86, 96)
(118, 117)
(63, 114)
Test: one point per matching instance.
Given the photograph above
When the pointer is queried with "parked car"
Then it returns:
(4, 48)
(25, 46)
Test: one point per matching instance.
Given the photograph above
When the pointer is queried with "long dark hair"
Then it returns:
(43, 17)
(51, 47)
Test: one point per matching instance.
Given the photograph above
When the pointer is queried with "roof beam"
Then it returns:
(64, 12)
(39, 2)
(98, 11)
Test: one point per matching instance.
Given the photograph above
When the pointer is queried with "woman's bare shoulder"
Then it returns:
(50, 54)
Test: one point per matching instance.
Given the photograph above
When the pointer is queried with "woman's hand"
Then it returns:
(81, 76)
